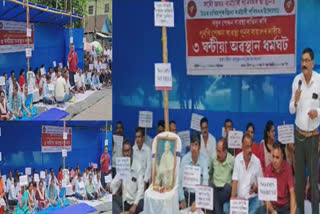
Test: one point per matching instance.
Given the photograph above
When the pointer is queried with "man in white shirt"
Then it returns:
(247, 170)
(80, 86)
(305, 103)
(98, 186)
(132, 190)
(14, 190)
(48, 96)
(142, 154)
(208, 141)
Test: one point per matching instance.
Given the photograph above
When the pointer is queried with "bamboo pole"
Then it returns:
(28, 40)
(64, 144)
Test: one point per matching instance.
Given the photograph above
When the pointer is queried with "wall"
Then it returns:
(100, 7)
(137, 46)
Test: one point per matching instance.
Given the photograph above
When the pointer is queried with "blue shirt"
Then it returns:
(95, 81)
(87, 80)
(46, 92)
(202, 163)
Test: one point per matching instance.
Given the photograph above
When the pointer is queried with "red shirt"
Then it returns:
(21, 82)
(284, 183)
(106, 163)
(60, 176)
(73, 61)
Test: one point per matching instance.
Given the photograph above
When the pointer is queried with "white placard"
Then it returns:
(81, 185)
(123, 168)
(118, 143)
(51, 87)
(191, 176)
(95, 165)
(267, 189)
(60, 65)
(286, 133)
(42, 71)
(29, 32)
(107, 179)
(36, 177)
(89, 75)
(185, 137)
(195, 121)
(68, 64)
(204, 197)
(108, 197)
(84, 40)
(30, 89)
(106, 142)
(64, 183)
(145, 119)
(36, 95)
(28, 52)
(163, 14)
(235, 139)
(71, 39)
(76, 78)
(223, 132)
(23, 180)
(239, 206)
(54, 63)
(2, 81)
(91, 66)
(64, 153)
(65, 135)
(28, 171)
(163, 77)
(42, 174)
(4, 177)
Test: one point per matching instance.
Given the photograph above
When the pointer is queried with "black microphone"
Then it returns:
(300, 83)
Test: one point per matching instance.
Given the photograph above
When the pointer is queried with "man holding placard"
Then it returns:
(192, 158)
(305, 104)
(247, 169)
(281, 170)
(48, 92)
(132, 189)
(208, 141)
(221, 172)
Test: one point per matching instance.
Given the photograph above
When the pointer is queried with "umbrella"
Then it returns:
(97, 46)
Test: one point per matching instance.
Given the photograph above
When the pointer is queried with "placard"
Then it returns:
(28, 171)
(106, 142)
(71, 39)
(286, 133)
(64, 183)
(23, 180)
(107, 179)
(191, 176)
(91, 66)
(4, 177)
(64, 153)
(76, 78)
(267, 189)
(81, 185)
(84, 40)
(65, 135)
(163, 77)
(235, 139)
(95, 165)
(239, 206)
(204, 197)
(2, 81)
(36, 177)
(42, 71)
(42, 174)
(123, 168)
(29, 32)
(60, 65)
(145, 119)
(52, 139)
(54, 64)
(28, 52)
(118, 142)
(185, 137)
(195, 121)
(51, 87)
(163, 14)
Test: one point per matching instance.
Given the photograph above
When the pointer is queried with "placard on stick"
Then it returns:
(118, 142)
(2, 81)
(235, 139)
(267, 189)
(64, 153)
(286, 133)
(108, 179)
(123, 168)
(36, 177)
(163, 77)
(54, 64)
(51, 87)
(42, 174)
(185, 137)
(163, 14)
(239, 206)
(23, 180)
(28, 52)
(204, 197)
(191, 176)
(195, 121)
(65, 135)
(145, 119)
(91, 66)
(28, 171)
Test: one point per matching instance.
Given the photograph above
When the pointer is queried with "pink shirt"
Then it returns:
(73, 61)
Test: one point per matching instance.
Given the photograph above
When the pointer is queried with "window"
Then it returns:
(106, 8)
(90, 10)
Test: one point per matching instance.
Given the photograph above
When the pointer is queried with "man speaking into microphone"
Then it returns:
(73, 61)
(305, 104)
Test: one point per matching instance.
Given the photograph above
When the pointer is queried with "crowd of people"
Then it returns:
(56, 86)
(233, 173)
(50, 190)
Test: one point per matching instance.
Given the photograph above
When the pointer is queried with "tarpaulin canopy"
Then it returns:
(15, 10)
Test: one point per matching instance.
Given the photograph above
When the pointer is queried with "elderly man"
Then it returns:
(208, 141)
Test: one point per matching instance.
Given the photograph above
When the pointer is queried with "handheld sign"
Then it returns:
(42, 175)
(107, 179)
(267, 189)
(64, 183)
(76, 78)
(23, 180)
(2, 81)
(191, 176)
(51, 87)
(163, 14)
(29, 32)
(28, 171)
(54, 64)
(286, 134)
(36, 177)
(60, 65)
(95, 165)
(64, 153)
(106, 142)
(204, 197)
(42, 71)
(123, 168)
(71, 39)
(195, 121)
(118, 142)
(235, 139)
(4, 177)
(145, 119)
(163, 77)
(81, 185)
(28, 52)
(239, 206)
(185, 137)
(30, 89)
(91, 66)
(65, 135)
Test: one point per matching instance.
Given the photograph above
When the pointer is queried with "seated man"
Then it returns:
(247, 169)
(14, 190)
(133, 189)
(87, 81)
(281, 170)
(98, 186)
(80, 189)
(193, 158)
(221, 173)
(48, 95)
(61, 89)
(95, 81)
(15, 103)
(80, 86)
(90, 189)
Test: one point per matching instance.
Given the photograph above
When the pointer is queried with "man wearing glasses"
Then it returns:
(305, 103)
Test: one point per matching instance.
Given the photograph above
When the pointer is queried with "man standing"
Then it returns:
(105, 164)
(73, 61)
(208, 141)
(305, 104)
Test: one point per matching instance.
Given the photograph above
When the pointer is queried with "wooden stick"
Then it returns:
(64, 144)
(28, 41)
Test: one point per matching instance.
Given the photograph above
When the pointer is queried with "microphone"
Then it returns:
(299, 85)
